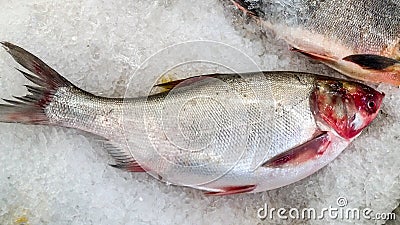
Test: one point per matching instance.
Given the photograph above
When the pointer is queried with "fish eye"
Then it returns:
(371, 104)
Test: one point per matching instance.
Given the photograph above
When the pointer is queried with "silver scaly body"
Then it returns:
(355, 26)
(213, 134)
(360, 39)
(223, 133)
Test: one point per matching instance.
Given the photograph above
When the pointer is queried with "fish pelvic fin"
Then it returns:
(371, 68)
(30, 109)
(373, 62)
(232, 190)
(366, 67)
(378, 68)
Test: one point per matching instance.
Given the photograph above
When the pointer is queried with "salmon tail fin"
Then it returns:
(30, 109)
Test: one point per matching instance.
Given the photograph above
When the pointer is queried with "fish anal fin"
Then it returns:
(313, 55)
(373, 62)
(123, 158)
(301, 153)
(131, 166)
(232, 190)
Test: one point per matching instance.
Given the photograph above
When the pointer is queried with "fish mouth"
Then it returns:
(361, 118)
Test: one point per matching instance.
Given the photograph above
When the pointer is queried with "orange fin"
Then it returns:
(313, 55)
(233, 190)
(370, 61)
(301, 153)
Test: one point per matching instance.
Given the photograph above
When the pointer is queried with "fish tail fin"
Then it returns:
(30, 109)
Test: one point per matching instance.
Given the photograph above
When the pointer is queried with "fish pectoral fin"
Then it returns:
(373, 62)
(232, 190)
(301, 153)
(313, 55)
(123, 158)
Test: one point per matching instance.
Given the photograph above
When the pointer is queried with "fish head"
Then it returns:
(345, 106)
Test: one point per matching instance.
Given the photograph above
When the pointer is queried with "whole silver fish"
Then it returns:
(222, 133)
(358, 38)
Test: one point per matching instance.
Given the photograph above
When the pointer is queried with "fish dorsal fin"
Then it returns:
(169, 85)
(165, 78)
